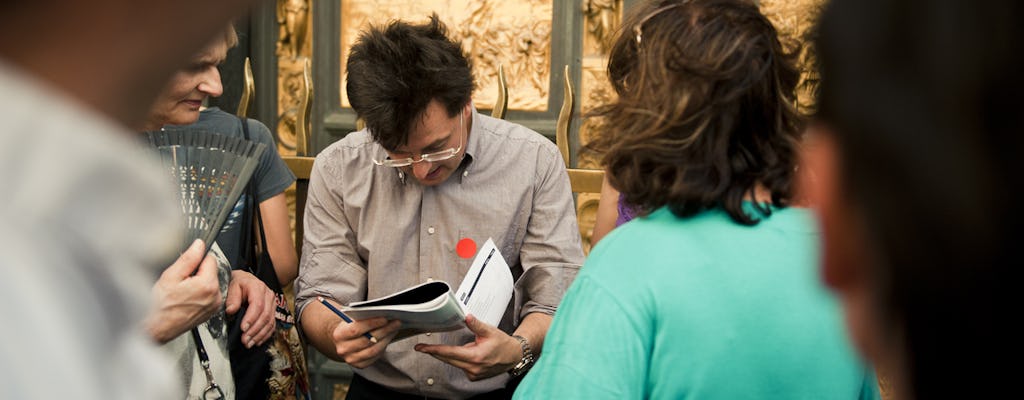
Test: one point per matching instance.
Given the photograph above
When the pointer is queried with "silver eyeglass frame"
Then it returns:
(429, 157)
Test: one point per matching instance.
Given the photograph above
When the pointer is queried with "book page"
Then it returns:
(487, 287)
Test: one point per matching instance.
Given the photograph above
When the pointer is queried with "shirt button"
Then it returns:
(428, 333)
(465, 173)
(430, 381)
(430, 230)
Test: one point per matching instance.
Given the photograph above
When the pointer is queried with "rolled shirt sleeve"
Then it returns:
(329, 264)
(551, 253)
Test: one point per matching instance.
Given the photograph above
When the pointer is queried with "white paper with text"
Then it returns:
(487, 287)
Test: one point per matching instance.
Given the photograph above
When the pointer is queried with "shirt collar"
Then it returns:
(472, 145)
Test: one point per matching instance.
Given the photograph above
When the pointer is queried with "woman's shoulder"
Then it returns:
(662, 238)
(647, 242)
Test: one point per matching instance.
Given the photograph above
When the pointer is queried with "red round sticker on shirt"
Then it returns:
(466, 248)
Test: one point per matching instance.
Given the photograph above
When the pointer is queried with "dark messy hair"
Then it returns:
(924, 100)
(705, 109)
(395, 71)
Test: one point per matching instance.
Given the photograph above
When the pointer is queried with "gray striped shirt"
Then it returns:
(371, 231)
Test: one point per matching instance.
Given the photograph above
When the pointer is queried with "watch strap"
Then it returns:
(526, 362)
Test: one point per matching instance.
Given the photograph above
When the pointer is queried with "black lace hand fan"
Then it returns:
(210, 171)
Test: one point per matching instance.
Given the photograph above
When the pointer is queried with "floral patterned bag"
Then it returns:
(277, 369)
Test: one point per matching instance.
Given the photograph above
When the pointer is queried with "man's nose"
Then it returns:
(421, 169)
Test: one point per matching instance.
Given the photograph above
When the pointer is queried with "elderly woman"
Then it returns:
(185, 301)
(711, 292)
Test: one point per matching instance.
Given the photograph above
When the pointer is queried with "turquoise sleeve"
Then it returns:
(597, 348)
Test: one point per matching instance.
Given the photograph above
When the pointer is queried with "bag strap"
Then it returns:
(248, 249)
(267, 275)
(212, 387)
(265, 269)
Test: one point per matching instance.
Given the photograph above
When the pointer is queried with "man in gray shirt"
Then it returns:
(388, 205)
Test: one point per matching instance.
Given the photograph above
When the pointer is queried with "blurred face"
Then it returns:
(847, 256)
(436, 132)
(181, 98)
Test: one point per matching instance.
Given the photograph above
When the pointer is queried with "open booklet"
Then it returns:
(432, 307)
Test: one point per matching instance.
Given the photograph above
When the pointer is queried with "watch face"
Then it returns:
(523, 366)
(520, 369)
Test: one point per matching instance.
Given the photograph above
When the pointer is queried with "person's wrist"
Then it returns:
(161, 327)
(154, 330)
(527, 359)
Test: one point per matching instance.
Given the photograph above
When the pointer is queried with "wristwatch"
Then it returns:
(527, 361)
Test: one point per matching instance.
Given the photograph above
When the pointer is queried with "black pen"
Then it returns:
(478, 275)
(345, 317)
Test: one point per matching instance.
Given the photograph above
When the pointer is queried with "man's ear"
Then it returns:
(822, 185)
(847, 256)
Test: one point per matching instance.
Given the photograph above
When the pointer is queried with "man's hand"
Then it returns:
(356, 349)
(183, 300)
(258, 322)
(492, 353)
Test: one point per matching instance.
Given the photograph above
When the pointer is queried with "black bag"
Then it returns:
(277, 368)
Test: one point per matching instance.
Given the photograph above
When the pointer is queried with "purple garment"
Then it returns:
(626, 212)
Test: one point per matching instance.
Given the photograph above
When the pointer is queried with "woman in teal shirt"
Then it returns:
(713, 293)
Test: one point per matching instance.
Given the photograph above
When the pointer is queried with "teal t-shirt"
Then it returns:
(700, 307)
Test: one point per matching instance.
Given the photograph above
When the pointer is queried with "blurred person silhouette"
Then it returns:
(713, 290)
(88, 219)
(917, 156)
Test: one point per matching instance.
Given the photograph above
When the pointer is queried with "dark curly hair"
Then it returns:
(396, 70)
(705, 109)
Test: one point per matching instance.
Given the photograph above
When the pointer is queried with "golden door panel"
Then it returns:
(514, 34)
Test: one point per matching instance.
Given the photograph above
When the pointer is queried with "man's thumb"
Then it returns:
(478, 327)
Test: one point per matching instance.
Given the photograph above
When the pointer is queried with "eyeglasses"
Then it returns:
(429, 157)
(637, 28)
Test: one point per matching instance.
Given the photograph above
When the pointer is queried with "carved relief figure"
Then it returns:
(596, 91)
(602, 20)
(521, 43)
(795, 20)
(292, 17)
(482, 49)
(531, 59)
(290, 90)
(292, 49)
